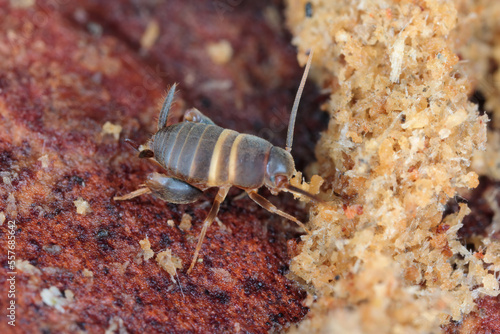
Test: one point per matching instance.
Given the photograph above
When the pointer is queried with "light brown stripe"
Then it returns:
(214, 163)
(233, 156)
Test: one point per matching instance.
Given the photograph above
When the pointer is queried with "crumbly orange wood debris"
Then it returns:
(170, 263)
(185, 224)
(399, 144)
(82, 206)
(481, 30)
(482, 50)
(146, 250)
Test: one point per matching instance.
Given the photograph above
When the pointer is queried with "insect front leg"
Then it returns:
(195, 116)
(271, 208)
(166, 188)
(219, 198)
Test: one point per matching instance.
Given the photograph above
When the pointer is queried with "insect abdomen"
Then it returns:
(208, 155)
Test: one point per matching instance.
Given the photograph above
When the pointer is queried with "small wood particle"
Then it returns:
(185, 224)
(112, 129)
(27, 268)
(272, 16)
(2, 218)
(170, 223)
(220, 52)
(52, 249)
(490, 283)
(397, 58)
(70, 296)
(6, 180)
(44, 159)
(116, 326)
(87, 273)
(53, 297)
(312, 188)
(121, 267)
(22, 3)
(146, 250)
(82, 206)
(150, 35)
(11, 206)
(170, 263)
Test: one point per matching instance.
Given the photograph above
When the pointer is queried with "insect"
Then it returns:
(196, 155)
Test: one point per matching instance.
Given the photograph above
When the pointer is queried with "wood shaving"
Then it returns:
(146, 250)
(185, 224)
(150, 35)
(116, 326)
(121, 267)
(44, 159)
(22, 3)
(170, 263)
(87, 273)
(82, 206)
(220, 52)
(112, 129)
(27, 268)
(54, 298)
(399, 145)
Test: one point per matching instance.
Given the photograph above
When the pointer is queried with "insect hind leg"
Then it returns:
(219, 198)
(261, 201)
(133, 194)
(171, 189)
(166, 188)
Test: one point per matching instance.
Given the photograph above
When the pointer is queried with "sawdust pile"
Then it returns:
(399, 145)
(480, 31)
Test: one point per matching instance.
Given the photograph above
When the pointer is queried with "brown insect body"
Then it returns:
(206, 155)
(196, 155)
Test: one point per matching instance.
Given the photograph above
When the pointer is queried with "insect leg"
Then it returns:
(195, 116)
(171, 189)
(271, 208)
(166, 188)
(133, 194)
(219, 198)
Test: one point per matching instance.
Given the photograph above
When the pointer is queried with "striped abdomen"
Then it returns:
(210, 156)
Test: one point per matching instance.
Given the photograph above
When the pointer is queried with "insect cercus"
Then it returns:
(197, 154)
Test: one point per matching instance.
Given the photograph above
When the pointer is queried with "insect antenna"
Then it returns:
(165, 109)
(291, 124)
